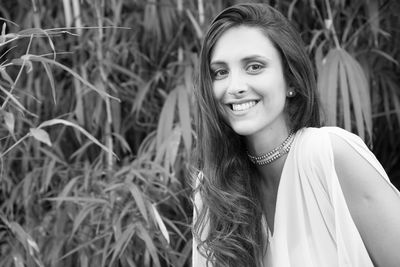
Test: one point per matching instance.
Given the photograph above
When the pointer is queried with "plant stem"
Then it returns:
(330, 17)
(14, 145)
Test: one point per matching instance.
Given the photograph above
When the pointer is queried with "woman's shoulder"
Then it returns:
(328, 137)
(336, 141)
(319, 146)
(311, 142)
(313, 132)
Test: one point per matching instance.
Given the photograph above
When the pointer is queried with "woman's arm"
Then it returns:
(373, 203)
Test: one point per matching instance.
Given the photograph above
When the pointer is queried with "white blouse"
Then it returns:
(312, 224)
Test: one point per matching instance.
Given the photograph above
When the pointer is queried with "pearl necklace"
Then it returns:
(274, 154)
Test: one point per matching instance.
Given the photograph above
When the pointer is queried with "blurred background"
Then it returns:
(96, 113)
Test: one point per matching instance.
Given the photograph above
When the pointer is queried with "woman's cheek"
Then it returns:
(217, 90)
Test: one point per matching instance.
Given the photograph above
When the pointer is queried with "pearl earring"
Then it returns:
(291, 93)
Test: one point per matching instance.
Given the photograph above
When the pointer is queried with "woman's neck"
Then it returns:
(263, 142)
(266, 140)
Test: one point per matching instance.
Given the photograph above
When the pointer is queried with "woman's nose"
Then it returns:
(237, 84)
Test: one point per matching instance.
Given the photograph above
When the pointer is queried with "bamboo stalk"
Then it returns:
(180, 50)
(77, 16)
(200, 5)
(103, 78)
(67, 13)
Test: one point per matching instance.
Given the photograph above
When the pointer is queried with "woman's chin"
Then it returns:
(244, 131)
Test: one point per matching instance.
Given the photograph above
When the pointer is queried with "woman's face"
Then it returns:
(248, 81)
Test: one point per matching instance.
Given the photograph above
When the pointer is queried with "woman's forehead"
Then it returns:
(243, 42)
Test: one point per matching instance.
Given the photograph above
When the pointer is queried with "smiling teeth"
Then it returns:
(243, 106)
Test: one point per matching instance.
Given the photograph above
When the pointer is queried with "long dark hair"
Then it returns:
(228, 185)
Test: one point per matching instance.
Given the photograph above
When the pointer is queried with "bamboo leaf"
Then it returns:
(316, 35)
(33, 246)
(171, 146)
(116, 116)
(318, 57)
(66, 191)
(165, 123)
(79, 128)
(143, 91)
(386, 105)
(51, 80)
(393, 87)
(79, 200)
(50, 170)
(185, 254)
(184, 117)
(137, 195)
(18, 260)
(356, 99)
(327, 84)
(172, 225)
(80, 151)
(27, 187)
(345, 97)
(3, 33)
(385, 55)
(196, 25)
(359, 89)
(73, 73)
(124, 144)
(14, 99)
(144, 235)
(83, 245)
(24, 61)
(40, 135)
(5, 75)
(9, 121)
(372, 7)
(81, 217)
(123, 241)
(26, 240)
(106, 248)
(160, 223)
(83, 259)
(38, 32)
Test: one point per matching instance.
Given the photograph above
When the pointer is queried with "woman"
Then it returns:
(319, 197)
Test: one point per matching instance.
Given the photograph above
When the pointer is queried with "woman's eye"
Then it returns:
(220, 74)
(254, 68)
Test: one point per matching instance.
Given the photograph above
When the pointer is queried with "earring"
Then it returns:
(290, 93)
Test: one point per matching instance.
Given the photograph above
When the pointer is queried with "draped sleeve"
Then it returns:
(313, 224)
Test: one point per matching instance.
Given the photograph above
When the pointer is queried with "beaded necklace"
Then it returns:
(274, 154)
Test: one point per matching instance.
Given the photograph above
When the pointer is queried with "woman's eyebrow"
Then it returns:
(244, 59)
(217, 62)
(254, 57)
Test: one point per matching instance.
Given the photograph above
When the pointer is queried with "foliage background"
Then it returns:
(96, 107)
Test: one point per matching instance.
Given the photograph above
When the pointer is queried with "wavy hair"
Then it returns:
(228, 189)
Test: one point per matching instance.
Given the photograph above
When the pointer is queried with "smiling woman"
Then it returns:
(274, 188)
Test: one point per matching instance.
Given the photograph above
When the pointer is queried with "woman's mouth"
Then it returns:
(243, 106)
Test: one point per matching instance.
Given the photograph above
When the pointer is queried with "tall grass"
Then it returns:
(96, 108)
